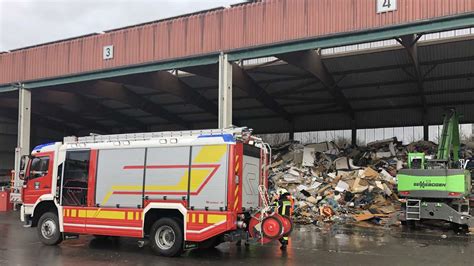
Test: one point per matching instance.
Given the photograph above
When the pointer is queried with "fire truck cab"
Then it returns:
(175, 190)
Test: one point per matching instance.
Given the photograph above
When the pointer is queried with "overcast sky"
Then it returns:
(28, 22)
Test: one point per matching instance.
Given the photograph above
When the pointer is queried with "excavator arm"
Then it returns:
(449, 144)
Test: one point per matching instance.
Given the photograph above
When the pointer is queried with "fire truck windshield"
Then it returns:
(38, 167)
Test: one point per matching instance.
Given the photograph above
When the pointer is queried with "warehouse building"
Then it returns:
(275, 66)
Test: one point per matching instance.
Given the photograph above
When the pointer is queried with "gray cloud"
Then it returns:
(24, 23)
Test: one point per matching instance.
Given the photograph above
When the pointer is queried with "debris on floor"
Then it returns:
(330, 184)
(345, 185)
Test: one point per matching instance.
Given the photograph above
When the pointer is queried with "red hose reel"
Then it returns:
(271, 227)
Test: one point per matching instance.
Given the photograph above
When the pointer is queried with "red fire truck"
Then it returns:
(173, 190)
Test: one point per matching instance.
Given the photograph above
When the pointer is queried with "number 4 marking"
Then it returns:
(386, 6)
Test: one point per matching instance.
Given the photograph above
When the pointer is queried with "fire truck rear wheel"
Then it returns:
(166, 237)
(48, 229)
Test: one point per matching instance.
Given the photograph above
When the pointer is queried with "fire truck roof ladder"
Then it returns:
(95, 138)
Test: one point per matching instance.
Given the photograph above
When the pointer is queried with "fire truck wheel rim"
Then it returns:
(165, 237)
(48, 229)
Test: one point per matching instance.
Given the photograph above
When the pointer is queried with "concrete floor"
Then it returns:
(337, 245)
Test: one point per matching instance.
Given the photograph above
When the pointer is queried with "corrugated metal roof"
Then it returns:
(394, 103)
(362, 60)
(449, 85)
(184, 108)
(133, 112)
(448, 50)
(450, 69)
(113, 104)
(238, 27)
(387, 103)
(380, 91)
(164, 98)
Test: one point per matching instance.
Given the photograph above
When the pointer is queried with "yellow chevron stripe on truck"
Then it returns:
(210, 154)
(207, 155)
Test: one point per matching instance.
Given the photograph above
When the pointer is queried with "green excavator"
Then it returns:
(441, 188)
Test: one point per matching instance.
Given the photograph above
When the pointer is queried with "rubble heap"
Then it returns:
(330, 184)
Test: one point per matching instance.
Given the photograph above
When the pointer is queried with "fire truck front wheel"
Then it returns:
(48, 229)
(166, 237)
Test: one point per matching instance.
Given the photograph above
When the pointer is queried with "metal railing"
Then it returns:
(94, 138)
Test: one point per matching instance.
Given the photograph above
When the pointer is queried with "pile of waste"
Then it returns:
(342, 185)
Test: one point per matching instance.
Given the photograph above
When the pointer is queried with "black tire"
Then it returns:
(48, 229)
(172, 232)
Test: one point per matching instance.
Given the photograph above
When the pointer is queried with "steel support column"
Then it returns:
(426, 128)
(225, 92)
(24, 128)
(292, 130)
(410, 43)
(353, 133)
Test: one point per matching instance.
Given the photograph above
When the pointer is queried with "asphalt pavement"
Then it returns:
(309, 245)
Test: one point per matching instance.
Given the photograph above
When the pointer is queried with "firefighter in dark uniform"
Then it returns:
(284, 203)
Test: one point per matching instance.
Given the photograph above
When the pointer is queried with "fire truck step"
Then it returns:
(71, 236)
(142, 242)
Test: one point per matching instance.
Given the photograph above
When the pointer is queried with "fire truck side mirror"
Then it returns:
(21, 175)
(24, 161)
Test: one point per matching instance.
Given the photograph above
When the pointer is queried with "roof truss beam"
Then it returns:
(310, 61)
(328, 110)
(118, 92)
(48, 110)
(244, 81)
(170, 83)
(382, 85)
(86, 105)
(39, 120)
(241, 79)
(410, 43)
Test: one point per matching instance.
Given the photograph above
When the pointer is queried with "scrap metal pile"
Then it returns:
(342, 185)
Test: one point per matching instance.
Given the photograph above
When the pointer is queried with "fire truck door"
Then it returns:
(38, 179)
(74, 188)
(251, 177)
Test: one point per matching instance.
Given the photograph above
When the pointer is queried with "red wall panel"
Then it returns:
(238, 27)
(147, 43)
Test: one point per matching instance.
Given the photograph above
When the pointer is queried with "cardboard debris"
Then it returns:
(357, 187)
(387, 209)
(364, 216)
(370, 173)
(341, 186)
(308, 156)
(312, 199)
(330, 184)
